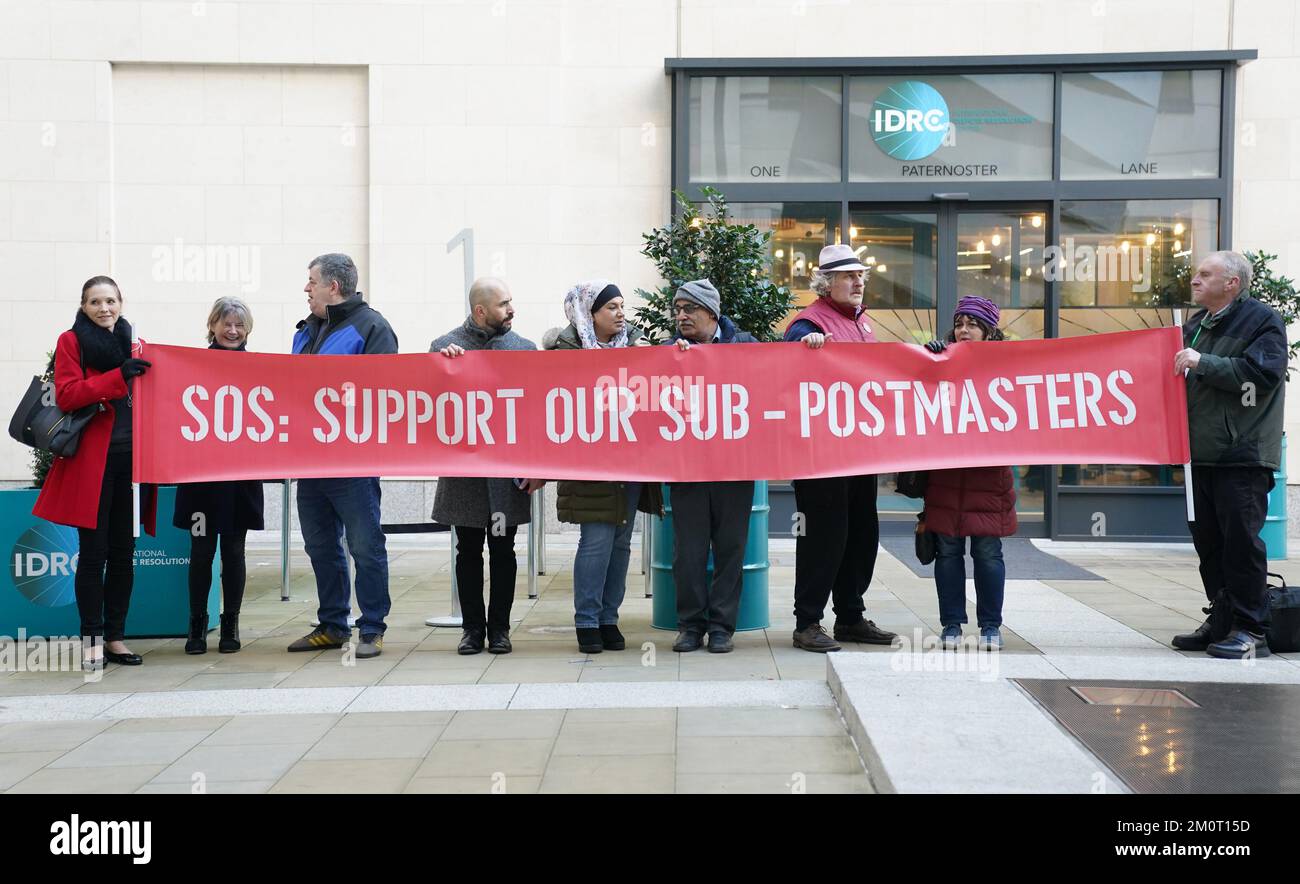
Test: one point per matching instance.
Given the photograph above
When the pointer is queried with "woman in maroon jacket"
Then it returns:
(974, 502)
(91, 491)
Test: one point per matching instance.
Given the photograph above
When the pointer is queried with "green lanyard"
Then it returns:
(1196, 336)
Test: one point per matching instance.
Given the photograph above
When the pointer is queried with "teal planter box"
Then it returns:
(37, 592)
(753, 594)
(1274, 531)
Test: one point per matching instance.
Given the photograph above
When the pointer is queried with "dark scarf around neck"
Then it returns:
(101, 349)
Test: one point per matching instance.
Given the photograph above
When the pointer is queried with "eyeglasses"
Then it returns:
(688, 309)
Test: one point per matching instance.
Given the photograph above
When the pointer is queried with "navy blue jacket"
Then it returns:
(350, 327)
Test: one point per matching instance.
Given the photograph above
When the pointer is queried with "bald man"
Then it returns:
(481, 509)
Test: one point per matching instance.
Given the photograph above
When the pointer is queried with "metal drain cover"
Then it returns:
(1133, 696)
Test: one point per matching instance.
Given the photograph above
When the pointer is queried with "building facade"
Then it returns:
(195, 149)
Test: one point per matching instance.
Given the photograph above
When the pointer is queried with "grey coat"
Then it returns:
(471, 502)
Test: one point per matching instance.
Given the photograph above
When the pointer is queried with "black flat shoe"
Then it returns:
(127, 659)
(611, 638)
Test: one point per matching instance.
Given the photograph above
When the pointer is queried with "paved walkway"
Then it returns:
(548, 718)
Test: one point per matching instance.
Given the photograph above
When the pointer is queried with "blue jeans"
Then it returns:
(327, 508)
(600, 567)
(950, 579)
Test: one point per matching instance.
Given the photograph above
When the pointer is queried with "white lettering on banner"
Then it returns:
(321, 395)
(592, 411)
(706, 411)
(931, 406)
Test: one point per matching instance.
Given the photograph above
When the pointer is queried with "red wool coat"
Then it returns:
(70, 495)
(971, 502)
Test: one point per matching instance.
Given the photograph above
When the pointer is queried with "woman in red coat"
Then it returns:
(975, 502)
(91, 491)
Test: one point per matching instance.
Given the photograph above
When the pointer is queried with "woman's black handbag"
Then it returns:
(912, 484)
(925, 542)
(40, 424)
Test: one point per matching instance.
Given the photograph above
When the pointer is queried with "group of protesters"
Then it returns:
(1232, 343)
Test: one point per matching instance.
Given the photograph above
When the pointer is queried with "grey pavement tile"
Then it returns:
(49, 736)
(248, 787)
(88, 780)
(602, 716)
(226, 681)
(616, 738)
(774, 784)
(163, 725)
(430, 698)
(225, 763)
(530, 671)
(759, 722)
(335, 673)
(610, 774)
(523, 724)
(111, 749)
(499, 785)
(389, 775)
(400, 676)
(388, 741)
(629, 674)
(767, 755)
(437, 720)
(300, 730)
(451, 758)
(17, 766)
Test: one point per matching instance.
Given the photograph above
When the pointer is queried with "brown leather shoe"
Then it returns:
(865, 632)
(814, 638)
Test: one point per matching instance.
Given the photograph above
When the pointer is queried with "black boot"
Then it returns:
(197, 643)
(229, 634)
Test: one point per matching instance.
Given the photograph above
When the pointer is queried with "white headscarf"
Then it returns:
(577, 308)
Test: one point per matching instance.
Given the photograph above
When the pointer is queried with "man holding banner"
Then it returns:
(341, 323)
(480, 509)
(708, 513)
(1235, 359)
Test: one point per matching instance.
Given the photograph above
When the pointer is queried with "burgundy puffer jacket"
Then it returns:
(971, 502)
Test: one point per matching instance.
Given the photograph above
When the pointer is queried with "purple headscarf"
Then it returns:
(980, 308)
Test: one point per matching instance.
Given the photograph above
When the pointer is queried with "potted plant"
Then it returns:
(1278, 292)
(734, 257)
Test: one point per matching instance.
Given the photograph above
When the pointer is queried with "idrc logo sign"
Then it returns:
(43, 565)
(909, 120)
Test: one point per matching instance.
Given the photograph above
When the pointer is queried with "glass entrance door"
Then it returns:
(922, 260)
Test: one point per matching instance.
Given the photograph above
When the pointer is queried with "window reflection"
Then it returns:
(1125, 265)
(900, 249)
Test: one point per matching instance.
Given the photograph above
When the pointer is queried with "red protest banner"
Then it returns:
(713, 412)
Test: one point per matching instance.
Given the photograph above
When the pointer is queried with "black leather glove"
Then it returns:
(937, 346)
(134, 368)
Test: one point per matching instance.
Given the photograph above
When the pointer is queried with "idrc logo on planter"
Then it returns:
(909, 120)
(43, 565)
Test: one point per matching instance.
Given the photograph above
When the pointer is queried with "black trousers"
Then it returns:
(203, 550)
(1231, 503)
(106, 561)
(502, 569)
(835, 555)
(709, 514)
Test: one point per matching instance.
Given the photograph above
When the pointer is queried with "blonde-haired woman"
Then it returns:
(219, 511)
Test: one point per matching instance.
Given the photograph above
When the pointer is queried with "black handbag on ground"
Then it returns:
(1284, 608)
(39, 424)
(925, 542)
(912, 484)
(1283, 632)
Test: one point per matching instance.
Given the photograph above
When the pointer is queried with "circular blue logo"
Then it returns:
(909, 120)
(43, 565)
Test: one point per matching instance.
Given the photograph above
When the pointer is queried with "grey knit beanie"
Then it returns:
(702, 292)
